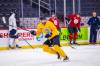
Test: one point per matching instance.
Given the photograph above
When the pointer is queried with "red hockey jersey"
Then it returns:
(55, 21)
(74, 20)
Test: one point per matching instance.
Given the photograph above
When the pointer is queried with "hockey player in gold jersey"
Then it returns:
(51, 45)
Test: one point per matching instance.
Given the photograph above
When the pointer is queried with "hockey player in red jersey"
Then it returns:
(55, 21)
(73, 21)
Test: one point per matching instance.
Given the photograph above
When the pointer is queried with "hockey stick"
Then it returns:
(68, 22)
(4, 23)
(32, 31)
(72, 46)
(27, 42)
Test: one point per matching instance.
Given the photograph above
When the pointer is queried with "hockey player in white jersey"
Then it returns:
(13, 32)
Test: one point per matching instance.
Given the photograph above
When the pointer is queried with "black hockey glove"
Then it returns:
(33, 32)
(48, 35)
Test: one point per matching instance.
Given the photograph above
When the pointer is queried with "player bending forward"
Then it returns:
(51, 45)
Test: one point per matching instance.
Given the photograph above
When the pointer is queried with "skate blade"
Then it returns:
(66, 60)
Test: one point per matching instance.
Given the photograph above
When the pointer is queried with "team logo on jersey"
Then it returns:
(75, 21)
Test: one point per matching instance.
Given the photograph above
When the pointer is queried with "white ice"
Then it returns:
(88, 55)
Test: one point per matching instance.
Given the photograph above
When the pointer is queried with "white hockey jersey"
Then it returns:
(12, 22)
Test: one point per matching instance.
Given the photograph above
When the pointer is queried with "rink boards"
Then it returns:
(83, 38)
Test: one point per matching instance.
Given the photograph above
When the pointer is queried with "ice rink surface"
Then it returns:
(88, 55)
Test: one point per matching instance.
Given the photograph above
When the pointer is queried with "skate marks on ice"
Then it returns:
(82, 56)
